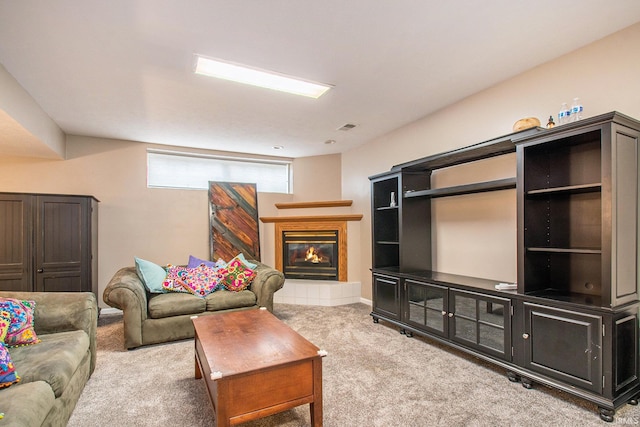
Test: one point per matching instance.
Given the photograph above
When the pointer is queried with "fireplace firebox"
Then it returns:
(310, 254)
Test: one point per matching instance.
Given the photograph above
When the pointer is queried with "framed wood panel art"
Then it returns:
(233, 213)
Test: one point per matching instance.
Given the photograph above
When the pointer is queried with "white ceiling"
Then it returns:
(123, 68)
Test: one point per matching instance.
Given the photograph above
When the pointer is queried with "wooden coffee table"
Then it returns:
(254, 366)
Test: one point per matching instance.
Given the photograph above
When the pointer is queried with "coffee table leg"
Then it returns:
(198, 373)
(315, 407)
(221, 404)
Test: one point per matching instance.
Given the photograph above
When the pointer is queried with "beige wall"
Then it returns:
(317, 178)
(476, 235)
(161, 225)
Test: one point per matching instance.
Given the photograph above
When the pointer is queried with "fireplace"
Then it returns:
(310, 254)
(337, 224)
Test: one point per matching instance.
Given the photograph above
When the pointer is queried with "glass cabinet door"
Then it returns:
(426, 306)
(482, 322)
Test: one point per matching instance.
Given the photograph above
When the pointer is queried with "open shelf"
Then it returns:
(569, 164)
(563, 220)
(568, 189)
(384, 191)
(565, 250)
(478, 187)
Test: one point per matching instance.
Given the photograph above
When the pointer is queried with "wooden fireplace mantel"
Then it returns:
(320, 204)
(311, 218)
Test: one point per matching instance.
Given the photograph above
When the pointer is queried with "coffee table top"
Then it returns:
(238, 342)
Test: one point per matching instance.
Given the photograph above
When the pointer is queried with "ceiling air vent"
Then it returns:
(347, 126)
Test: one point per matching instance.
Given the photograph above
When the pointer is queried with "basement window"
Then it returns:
(172, 169)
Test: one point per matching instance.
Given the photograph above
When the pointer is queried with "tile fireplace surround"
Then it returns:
(316, 292)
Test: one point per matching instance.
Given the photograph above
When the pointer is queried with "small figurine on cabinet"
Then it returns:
(550, 123)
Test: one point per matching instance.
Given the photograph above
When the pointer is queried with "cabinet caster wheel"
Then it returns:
(633, 401)
(376, 320)
(513, 377)
(527, 383)
(408, 334)
(607, 414)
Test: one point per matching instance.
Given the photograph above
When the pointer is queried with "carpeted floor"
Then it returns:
(372, 376)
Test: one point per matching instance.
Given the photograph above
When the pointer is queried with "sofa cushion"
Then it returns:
(174, 304)
(223, 299)
(54, 360)
(26, 404)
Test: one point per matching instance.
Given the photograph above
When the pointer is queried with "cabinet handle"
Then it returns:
(450, 314)
(525, 336)
(444, 313)
(40, 270)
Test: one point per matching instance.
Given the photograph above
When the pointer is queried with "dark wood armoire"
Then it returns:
(48, 242)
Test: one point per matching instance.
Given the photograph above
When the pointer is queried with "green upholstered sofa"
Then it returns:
(53, 372)
(156, 318)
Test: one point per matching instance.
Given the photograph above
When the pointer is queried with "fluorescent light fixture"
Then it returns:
(262, 78)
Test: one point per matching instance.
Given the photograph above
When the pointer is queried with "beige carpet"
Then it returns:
(372, 376)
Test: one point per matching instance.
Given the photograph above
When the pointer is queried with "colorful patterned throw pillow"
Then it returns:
(201, 280)
(8, 374)
(173, 282)
(236, 276)
(21, 330)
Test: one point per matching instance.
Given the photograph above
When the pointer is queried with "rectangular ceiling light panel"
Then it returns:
(253, 76)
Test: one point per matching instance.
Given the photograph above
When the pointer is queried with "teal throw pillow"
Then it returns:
(243, 260)
(152, 275)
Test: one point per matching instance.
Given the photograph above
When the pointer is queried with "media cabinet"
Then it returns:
(572, 322)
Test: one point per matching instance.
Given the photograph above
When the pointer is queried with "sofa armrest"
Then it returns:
(126, 292)
(63, 311)
(267, 281)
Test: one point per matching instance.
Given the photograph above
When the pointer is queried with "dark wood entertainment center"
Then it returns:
(572, 322)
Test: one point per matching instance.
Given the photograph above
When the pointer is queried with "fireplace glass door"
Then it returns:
(310, 254)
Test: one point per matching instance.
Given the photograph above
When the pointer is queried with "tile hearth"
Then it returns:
(318, 292)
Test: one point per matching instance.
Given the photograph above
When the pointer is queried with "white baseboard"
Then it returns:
(110, 311)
